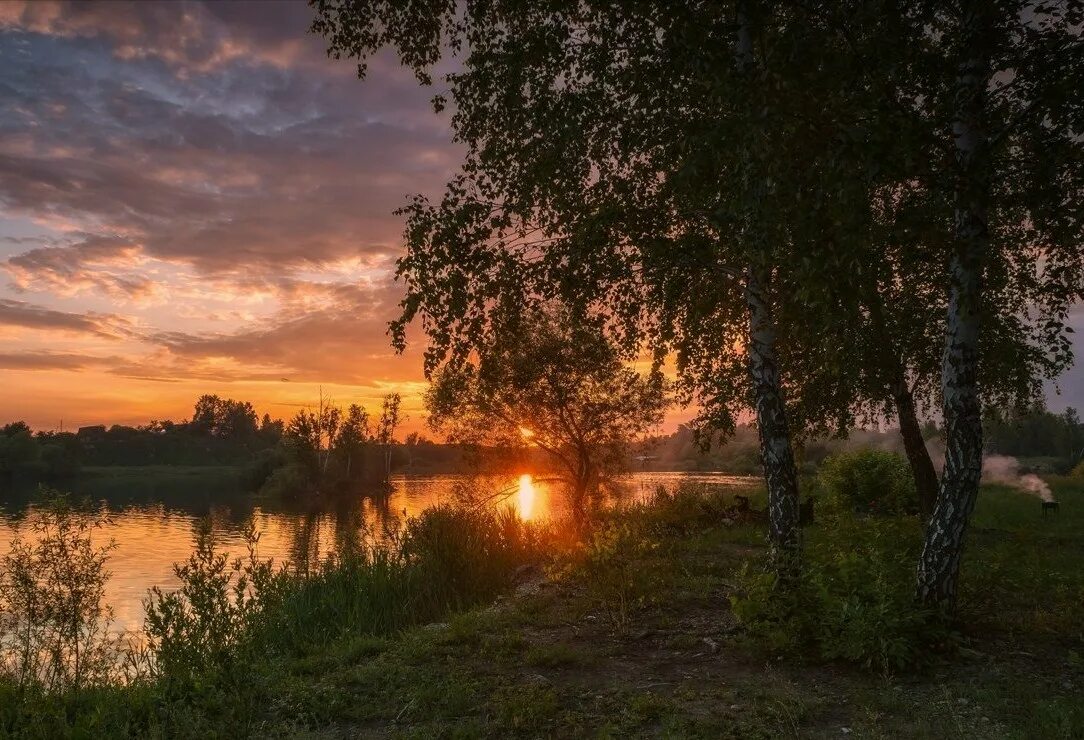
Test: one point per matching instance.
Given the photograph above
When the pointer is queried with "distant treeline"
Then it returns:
(740, 453)
(220, 432)
(1028, 432)
(340, 445)
(326, 443)
(1034, 432)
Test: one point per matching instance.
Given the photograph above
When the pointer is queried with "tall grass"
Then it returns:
(444, 560)
(212, 647)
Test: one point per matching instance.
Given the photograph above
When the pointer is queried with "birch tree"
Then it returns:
(580, 183)
(1017, 192)
(639, 163)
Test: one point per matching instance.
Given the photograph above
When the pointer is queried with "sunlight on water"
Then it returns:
(525, 498)
(152, 534)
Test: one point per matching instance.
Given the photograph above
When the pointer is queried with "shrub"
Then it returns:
(193, 630)
(263, 465)
(53, 625)
(613, 571)
(288, 481)
(225, 613)
(1078, 471)
(868, 481)
(465, 555)
(853, 602)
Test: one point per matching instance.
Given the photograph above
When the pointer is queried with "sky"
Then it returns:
(194, 199)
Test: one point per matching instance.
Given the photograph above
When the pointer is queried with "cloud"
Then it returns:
(256, 163)
(92, 263)
(190, 36)
(340, 337)
(39, 318)
(51, 361)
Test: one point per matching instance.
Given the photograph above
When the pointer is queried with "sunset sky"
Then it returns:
(194, 199)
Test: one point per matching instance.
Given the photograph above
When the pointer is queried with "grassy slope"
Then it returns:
(581, 655)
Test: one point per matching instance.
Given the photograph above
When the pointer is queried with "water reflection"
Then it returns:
(157, 528)
(525, 497)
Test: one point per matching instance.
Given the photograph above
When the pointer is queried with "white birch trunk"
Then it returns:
(777, 456)
(939, 563)
(784, 532)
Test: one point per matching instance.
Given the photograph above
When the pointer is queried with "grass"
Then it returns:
(631, 637)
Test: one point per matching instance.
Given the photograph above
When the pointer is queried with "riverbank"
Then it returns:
(653, 649)
(634, 635)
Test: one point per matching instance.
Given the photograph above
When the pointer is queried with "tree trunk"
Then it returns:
(939, 563)
(917, 455)
(784, 533)
(922, 470)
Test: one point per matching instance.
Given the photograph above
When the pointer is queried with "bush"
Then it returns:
(466, 555)
(868, 481)
(853, 602)
(227, 616)
(263, 465)
(194, 630)
(289, 481)
(58, 461)
(1078, 471)
(613, 569)
(54, 628)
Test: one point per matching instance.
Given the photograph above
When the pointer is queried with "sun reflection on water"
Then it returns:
(525, 497)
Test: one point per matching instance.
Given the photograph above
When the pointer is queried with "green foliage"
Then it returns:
(1032, 431)
(54, 626)
(263, 464)
(289, 481)
(17, 447)
(461, 555)
(613, 573)
(328, 450)
(868, 481)
(59, 460)
(195, 630)
(228, 614)
(853, 602)
(224, 417)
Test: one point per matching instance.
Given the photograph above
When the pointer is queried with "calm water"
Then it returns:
(153, 519)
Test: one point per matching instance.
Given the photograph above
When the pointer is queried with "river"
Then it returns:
(152, 518)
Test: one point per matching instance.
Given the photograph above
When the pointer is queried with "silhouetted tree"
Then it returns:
(385, 429)
(225, 418)
(725, 181)
(555, 383)
(352, 437)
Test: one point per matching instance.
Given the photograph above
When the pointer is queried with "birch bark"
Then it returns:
(777, 456)
(939, 563)
(784, 532)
